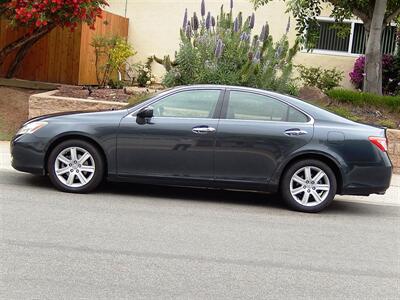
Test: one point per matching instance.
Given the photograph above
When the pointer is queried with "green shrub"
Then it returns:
(388, 123)
(343, 112)
(144, 75)
(358, 98)
(116, 84)
(111, 55)
(5, 134)
(324, 79)
(223, 50)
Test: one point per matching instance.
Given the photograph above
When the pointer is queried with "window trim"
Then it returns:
(224, 110)
(352, 22)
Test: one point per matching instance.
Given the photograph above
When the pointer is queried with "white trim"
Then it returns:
(351, 38)
(330, 52)
(330, 19)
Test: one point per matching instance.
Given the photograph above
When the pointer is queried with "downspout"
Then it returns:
(126, 7)
(125, 14)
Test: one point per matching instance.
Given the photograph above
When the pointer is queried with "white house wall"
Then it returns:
(154, 28)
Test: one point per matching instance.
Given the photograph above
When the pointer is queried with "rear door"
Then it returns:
(255, 134)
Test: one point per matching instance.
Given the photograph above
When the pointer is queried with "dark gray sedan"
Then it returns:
(211, 136)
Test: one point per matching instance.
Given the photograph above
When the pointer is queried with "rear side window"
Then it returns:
(296, 116)
(188, 104)
(249, 106)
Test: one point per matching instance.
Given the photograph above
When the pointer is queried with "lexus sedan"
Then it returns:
(214, 137)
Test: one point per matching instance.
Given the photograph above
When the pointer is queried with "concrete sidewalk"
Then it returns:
(5, 157)
(392, 196)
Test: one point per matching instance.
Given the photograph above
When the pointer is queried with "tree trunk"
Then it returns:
(373, 56)
(27, 38)
(22, 52)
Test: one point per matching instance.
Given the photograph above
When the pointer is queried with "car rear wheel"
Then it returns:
(308, 186)
(75, 166)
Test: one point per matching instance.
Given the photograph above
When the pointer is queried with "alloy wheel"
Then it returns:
(309, 186)
(74, 167)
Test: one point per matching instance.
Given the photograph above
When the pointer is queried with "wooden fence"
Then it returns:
(63, 56)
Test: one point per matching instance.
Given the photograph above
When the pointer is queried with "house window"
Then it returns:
(354, 42)
(329, 39)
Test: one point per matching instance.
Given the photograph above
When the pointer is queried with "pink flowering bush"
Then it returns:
(357, 75)
(390, 74)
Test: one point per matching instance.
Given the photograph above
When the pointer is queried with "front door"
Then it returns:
(255, 134)
(177, 142)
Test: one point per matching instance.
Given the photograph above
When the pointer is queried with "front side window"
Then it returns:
(249, 106)
(188, 104)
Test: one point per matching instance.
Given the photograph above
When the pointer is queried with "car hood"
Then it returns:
(73, 114)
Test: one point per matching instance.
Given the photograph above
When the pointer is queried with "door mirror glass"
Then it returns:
(146, 112)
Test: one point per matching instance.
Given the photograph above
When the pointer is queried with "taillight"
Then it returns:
(380, 142)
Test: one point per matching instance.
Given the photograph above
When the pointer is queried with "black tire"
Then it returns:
(98, 160)
(289, 198)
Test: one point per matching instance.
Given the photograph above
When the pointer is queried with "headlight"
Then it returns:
(31, 127)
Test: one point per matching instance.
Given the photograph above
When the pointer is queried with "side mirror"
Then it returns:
(146, 112)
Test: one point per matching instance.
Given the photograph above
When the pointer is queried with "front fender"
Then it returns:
(103, 137)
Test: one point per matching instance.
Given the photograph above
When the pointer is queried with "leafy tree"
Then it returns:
(39, 17)
(375, 14)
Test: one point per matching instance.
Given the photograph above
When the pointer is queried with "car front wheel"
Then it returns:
(75, 166)
(308, 186)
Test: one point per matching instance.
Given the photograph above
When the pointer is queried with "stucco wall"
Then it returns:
(343, 63)
(154, 27)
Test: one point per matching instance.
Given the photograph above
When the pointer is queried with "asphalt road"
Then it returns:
(137, 241)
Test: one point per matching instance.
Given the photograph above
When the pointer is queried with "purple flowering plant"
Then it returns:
(230, 49)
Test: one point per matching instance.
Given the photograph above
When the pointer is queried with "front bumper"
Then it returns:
(28, 154)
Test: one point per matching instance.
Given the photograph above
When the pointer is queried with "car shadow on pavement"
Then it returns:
(193, 194)
(172, 192)
(245, 198)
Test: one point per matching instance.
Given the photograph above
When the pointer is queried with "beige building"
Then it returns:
(154, 29)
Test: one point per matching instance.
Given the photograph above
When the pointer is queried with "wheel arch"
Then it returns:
(330, 161)
(75, 136)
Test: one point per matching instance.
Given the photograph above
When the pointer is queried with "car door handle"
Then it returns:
(203, 130)
(295, 132)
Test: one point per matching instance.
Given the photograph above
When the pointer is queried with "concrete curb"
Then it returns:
(28, 84)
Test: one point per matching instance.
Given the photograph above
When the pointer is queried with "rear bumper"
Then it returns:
(366, 180)
(28, 154)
